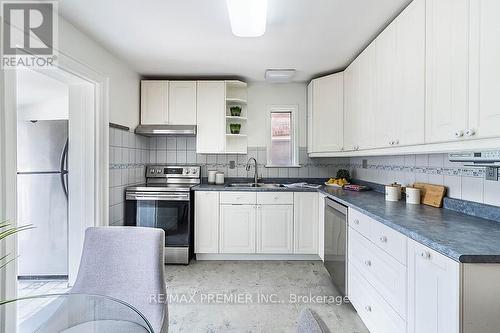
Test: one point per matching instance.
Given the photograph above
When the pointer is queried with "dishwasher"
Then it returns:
(336, 243)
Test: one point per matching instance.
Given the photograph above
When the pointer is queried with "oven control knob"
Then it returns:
(187, 171)
(152, 171)
(193, 171)
(158, 171)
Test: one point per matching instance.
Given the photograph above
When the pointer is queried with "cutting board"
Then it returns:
(431, 195)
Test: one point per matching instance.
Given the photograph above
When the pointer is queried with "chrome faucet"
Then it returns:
(247, 168)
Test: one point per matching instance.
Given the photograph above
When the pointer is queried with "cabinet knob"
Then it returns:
(391, 143)
(396, 142)
(425, 255)
(470, 132)
(356, 221)
(383, 239)
(275, 198)
(368, 308)
(459, 134)
(368, 263)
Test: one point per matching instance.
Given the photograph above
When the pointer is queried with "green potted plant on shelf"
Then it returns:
(235, 111)
(235, 128)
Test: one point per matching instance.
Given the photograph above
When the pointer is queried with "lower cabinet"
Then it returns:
(206, 222)
(305, 225)
(433, 291)
(274, 228)
(237, 229)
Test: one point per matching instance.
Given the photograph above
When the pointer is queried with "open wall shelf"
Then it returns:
(236, 95)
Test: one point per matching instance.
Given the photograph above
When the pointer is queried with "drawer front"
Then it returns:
(275, 198)
(376, 314)
(238, 198)
(389, 240)
(359, 222)
(385, 273)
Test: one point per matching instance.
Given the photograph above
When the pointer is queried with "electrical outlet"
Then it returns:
(364, 164)
(232, 164)
(491, 173)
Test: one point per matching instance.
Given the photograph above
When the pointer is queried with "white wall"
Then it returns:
(123, 82)
(261, 95)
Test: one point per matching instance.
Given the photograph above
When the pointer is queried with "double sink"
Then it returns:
(253, 185)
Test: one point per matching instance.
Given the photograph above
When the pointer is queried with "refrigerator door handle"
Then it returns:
(64, 172)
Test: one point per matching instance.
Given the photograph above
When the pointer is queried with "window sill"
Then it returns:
(282, 166)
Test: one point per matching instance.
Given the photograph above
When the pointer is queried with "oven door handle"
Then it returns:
(140, 196)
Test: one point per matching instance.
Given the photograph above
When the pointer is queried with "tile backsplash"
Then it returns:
(463, 182)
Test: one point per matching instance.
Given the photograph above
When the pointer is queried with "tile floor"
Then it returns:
(196, 297)
(37, 287)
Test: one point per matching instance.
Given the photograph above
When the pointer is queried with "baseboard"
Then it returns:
(242, 256)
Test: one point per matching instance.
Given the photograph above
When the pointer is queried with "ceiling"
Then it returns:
(193, 37)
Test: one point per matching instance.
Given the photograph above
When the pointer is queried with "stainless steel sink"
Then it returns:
(263, 185)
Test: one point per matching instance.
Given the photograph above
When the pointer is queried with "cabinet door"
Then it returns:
(327, 116)
(154, 102)
(274, 228)
(366, 110)
(309, 117)
(210, 117)
(409, 75)
(446, 69)
(385, 96)
(237, 228)
(350, 107)
(321, 225)
(206, 222)
(484, 113)
(305, 222)
(433, 291)
(182, 103)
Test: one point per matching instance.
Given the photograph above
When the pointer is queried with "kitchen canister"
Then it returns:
(393, 192)
(413, 195)
(219, 178)
(211, 176)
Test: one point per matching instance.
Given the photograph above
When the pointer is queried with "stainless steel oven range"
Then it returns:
(166, 202)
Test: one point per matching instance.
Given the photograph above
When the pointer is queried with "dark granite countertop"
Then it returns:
(461, 237)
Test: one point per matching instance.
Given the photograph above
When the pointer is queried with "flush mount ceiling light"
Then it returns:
(247, 17)
(279, 75)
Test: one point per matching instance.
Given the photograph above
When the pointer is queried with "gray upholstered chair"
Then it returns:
(125, 263)
(310, 322)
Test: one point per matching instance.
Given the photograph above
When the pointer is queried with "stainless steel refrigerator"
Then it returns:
(42, 177)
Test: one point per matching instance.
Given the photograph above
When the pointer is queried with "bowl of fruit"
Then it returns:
(336, 182)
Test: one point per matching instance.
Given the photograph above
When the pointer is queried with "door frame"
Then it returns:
(97, 197)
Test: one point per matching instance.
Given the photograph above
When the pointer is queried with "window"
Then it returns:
(282, 145)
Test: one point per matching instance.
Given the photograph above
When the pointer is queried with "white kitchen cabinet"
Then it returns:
(275, 229)
(321, 226)
(409, 76)
(206, 222)
(305, 222)
(182, 103)
(433, 291)
(309, 122)
(210, 117)
(326, 114)
(237, 228)
(447, 28)
(154, 102)
(484, 74)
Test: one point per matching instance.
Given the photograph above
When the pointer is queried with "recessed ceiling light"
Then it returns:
(279, 75)
(247, 17)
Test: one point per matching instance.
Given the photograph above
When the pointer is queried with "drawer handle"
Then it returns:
(368, 308)
(425, 255)
(383, 239)
(356, 221)
(368, 263)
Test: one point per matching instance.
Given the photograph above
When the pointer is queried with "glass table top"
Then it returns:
(79, 313)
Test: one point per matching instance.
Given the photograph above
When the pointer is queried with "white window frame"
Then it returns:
(293, 109)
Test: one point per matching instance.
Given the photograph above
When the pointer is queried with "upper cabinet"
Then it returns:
(484, 71)
(446, 69)
(210, 120)
(182, 103)
(154, 102)
(325, 114)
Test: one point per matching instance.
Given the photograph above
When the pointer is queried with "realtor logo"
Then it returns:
(29, 34)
